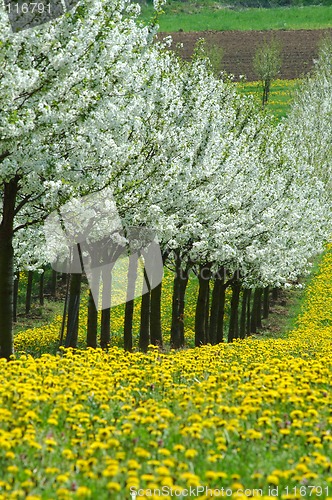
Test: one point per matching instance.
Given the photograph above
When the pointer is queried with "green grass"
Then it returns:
(190, 16)
(281, 95)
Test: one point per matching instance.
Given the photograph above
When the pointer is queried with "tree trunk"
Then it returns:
(64, 313)
(248, 329)
(245, 295)
(178, 304)
(28, 292)
(182, 293)
(105, 328)
(6, 297)
(73, 310)
(15, 299)
(176, 318)
(215, 307)
(7, 268)
(255, 315)
(233, 331)
(207, 314)
(155, 317)
(41, 288)
(275, 294)
(266, 302)
(129, 307)
(221, 313)
(259, 308)
(202, 299)
(266, 92)
(92, 329)
(253, 320)
(105, 323)
(53, 283)
(144, 333)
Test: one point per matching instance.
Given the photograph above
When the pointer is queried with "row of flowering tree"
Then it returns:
(89, 102)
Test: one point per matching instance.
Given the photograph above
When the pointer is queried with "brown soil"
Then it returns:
(299, 49)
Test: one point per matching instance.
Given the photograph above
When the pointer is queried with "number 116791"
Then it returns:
(307, 491)
(28, 8)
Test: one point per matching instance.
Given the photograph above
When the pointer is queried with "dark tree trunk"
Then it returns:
(207, 315)
(259, 308)
(105, 328)
(275, 294)
(255, 311)
(41, 288)
(28, 292)
(248, 329)
(266, 92)
(64, 313)
(221, 313)
(178, 304)
(105, 322)
(155, 309)
(6, 297)
(92, 329)
(144, 333)
(176, 318)
(184, 277)
(215, 306)
(266, 302)
(53, 283)
(7, 268)
(201, 306)
(15, 299)
(253, 318)
(233, 331)
(73, 310)
(129, 307)
(155, 317)
(245, 295)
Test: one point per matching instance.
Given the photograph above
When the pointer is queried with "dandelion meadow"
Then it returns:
(251, 415)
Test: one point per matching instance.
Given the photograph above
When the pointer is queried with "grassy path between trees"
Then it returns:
(253, 415)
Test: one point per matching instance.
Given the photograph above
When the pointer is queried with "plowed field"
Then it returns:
(299, 49)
